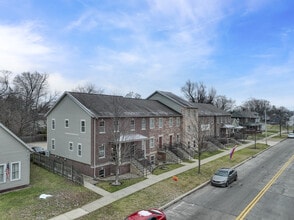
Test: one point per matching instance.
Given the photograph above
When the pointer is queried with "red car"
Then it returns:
(151, 214)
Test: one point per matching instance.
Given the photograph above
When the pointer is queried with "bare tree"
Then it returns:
(119, 134)
(222, 102)
(133, 95)
(88, 88)
(4, 82)
(197, 92)
(31, 90)
(257, 105)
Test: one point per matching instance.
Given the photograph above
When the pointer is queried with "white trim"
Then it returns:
(102, 145)
(70, 144)
(19, 171)
(79, 150)
(152, 145)
(53, 143)
(4, 173)
(81, 121)
(66, 123)
(53, 123)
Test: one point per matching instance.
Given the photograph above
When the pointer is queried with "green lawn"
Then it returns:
(165, 191)
(25, 203)
(106, 185)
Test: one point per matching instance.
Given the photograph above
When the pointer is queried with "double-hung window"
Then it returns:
(79, 151)
(15, 171)
(53, 124)
(151, 142)
(102, 151)
(152, 123)
(83, 126)
(160, 123)
(143, 124)
(132, 124)
(2, 173)
(52, 144)
(70, 146)
(170, 122)
(102, 126)
(66, 123)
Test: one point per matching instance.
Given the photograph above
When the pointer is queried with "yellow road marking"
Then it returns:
(263, 191)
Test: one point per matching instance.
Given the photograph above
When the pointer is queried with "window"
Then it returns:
(83, 126)
(160, 124)
(2, 173)
(143, 124)
(53, 124)
(178, 138)
(15, 171)
(132, 124)
(151, 123)
(151, 142)
(79, 150)
(102, 151)
(101, 173)
(66, 123)
(70, 146)
(116, 125)
(152, 159)
(170, 122)
(102, 126)
(53, 144)
(178, 121)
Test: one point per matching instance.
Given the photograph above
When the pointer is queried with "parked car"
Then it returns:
(39, 150)
(223, 177)
(291, 135)
(151, 214)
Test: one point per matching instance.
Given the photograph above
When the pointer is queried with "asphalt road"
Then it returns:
(277, 202)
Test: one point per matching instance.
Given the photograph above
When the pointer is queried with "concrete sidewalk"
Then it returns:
(109, 198)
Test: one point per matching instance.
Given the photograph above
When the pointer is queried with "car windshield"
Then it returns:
(221, 173)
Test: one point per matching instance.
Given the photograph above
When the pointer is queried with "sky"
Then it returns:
(242, 49)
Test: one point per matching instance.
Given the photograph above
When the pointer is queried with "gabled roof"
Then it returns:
(99, 105)
(244, 114)
(209, 110)
(203, 109)
(15, 137)
(174, 98)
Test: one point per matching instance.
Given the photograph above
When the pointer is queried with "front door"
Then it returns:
(170, 140)
(160, 142)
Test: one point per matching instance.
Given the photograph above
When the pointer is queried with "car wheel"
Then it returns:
(227, 183)
(236, 178)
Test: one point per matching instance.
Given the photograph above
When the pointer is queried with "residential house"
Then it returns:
(14, 161)
(210, 121)
(250, 121)
(82, 130)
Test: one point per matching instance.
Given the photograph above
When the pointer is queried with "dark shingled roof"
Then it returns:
(244, 114)
(209, 110)
(203, 109)
(106, 105)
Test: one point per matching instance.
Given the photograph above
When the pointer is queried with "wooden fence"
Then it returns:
(55, 166)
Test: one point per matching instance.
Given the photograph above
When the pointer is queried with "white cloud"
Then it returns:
(22, 48)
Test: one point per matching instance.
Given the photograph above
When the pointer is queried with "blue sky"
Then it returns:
(243, 49)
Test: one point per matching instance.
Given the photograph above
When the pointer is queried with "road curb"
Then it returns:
(208, 182)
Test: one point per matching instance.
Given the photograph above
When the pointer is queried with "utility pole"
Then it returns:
(265, 126)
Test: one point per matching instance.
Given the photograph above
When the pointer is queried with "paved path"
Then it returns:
(109, 198)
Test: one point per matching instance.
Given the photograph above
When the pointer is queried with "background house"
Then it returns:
(250, 121)
(14, 161)
(210, 120)
(83, 129)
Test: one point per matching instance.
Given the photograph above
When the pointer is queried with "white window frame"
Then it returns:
(79, 150)
(116, 125)
(53, 124)
(53, 144)
(160, 122)
(101, 128)
(12, 171)
(100, 150)
(3, 174)
(170, 122)
(83, 127)
(151, 123)
(152, 142)
(70, 146)
(143, 124)
(178, 121)
(152, 159)
(66, 123)
(133, 124)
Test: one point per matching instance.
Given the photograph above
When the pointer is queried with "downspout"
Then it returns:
(95, 127)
